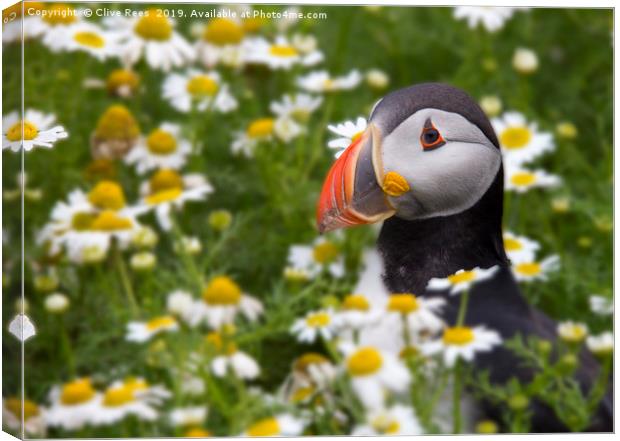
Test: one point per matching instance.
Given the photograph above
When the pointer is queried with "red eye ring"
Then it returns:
(430, 137)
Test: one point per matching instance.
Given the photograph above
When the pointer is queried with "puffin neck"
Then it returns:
(415, 251)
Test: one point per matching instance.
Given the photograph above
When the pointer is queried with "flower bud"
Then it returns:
(143, 261)
(491, 104)
(566, 130)
(145, 237)
(377, 79)
(56, 303)
(93, 254)
(561, 204)
(45, 283)
(487, 427)
(220, 220)
(188, 245)
(567, 364)
(525, 61)
(518, 402)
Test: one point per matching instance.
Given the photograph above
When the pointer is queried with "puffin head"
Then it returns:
(428, 151)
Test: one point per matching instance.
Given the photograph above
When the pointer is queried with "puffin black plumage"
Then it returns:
(429, 164)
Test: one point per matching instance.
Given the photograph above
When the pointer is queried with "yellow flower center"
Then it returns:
(283, 51)
(15, 132)
(122, 77)
(107, 195)
(154, 26)
(458, 335)
(59, 14)
(202, 86)
(117, 396)
(165, 179)
(215, 339)
(253, 24)
(403, 303)
(15, 406)
(223, 31)
(158, 323)
(355, 302)
(265, 427)
(197, 432)
(90, 39)
(318, 320)
(365, 361)
(523, 179)
(77, 392)
(514, 138)
(329, 84)
(164, 196)
(385, 424)
(511, 244)
(408, 352)
(528, 269)
(325, 252)
(302, 394)
(260, 128)
(117, 123)
(461, 277)
(82, 221)
(136, 384)
(109, 221)
(302, 363)
(222, 290)
(161, 142)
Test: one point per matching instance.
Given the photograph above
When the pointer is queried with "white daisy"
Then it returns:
(37, 128)
(204, 89)
(298, 107)
(89, 38)
(221, 42)
(167, 190)
(222, 299)
(152, 36)
(58, 19)
(347, 132)
(572, 332)
(130, 397)
(536, 270)
(520, 248)
(521, 141)
(521, 180)
(162, 148)
(280, 425)
(322, 82)
(421, 314)
(462, 280)
(601, 305)
(356, 313)
(373, 372)
(314, 368)
(188, 416)
(230, 359)
(72, 405)
(312, 260)
(140, 332)
(602, 344)
(33, 416)
(462, 342)
(396, 420)
(281, 54)
(316, 324)
(491, 18)
(181, 304)
(257, 131)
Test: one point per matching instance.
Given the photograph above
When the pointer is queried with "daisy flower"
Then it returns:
(13, 21)
(356, 313)
(132, 397)
(280, 425)
(521, 141)
(151, 35)
(491, 18)
(58, 19)
(314, 368)
(373, 372)
(322, 81)
(462, 342)
(222, 300)
(162, 148)
(257, 131)
(602, 344)
(420, 314)
(601, 305)
(396, 420)
(37, 129)
(123, 83)
(181, 304)
(221, 42)
(33, 421)
(462, 280)
(572, 332)
(520, 248)
(166, 190)
(347, 132)
(521, 180)
(315, 324)
(140, 332)
(298, 107)
(188, 416)
(281, 54)
(115, 134)
(535, 270)
(89, 38)
(72, 405)
(312, 260)
(204, 89)
(230, 359)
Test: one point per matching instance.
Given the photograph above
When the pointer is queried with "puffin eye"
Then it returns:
(431, 138)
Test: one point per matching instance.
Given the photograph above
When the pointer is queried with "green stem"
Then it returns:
(462, 309)
(122, 272)
(456, 398)
(66, 346)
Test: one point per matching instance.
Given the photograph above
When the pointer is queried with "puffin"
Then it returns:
(429, 166)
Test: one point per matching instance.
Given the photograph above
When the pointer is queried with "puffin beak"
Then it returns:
(352, 192)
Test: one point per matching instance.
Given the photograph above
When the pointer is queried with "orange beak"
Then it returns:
(352, 193)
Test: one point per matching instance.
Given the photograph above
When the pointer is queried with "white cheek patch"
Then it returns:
(446, 180)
